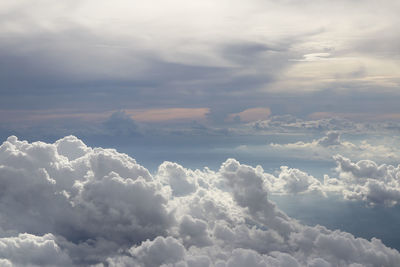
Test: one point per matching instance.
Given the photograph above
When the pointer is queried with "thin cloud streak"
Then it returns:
(168, 114)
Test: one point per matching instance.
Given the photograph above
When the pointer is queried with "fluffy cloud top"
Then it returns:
(31, 250)
(365, 180)
(68, 204)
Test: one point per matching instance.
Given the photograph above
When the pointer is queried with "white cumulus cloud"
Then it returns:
(68, 204)
(368, 181)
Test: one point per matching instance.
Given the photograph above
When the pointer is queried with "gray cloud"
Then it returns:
(121, 124)
(32, 250)
(84, 200)
(288, 123)
(96, 61)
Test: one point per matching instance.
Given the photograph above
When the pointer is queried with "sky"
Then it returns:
(256, 132)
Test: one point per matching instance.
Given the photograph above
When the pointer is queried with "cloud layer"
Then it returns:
(331, 143)
(227, 57)
(66, 203)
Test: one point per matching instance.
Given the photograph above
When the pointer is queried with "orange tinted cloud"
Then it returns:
(168, 114)
(51, 114)
(141, 115)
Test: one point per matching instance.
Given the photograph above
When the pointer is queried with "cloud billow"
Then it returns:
(68, 204)
(367, 181)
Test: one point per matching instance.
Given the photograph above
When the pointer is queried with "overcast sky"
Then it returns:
(198, 60)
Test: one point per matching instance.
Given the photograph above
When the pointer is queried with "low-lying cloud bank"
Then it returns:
(365, 123)
(332, 143)
(68, 204)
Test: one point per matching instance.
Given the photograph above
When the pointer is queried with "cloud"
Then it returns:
(364, 180)
(71, 147)
(31, 250)
(316, 72)
(315, 57)
(181, 181)
(367, 181)
(121, 124)
(342, 123)
(251, 114)
(294, 181)
(169, 114)
(331, 143)
(215, 63)
(290, 123)
(68, 204)
(365, 116)
(330, 140)
(84, 196)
